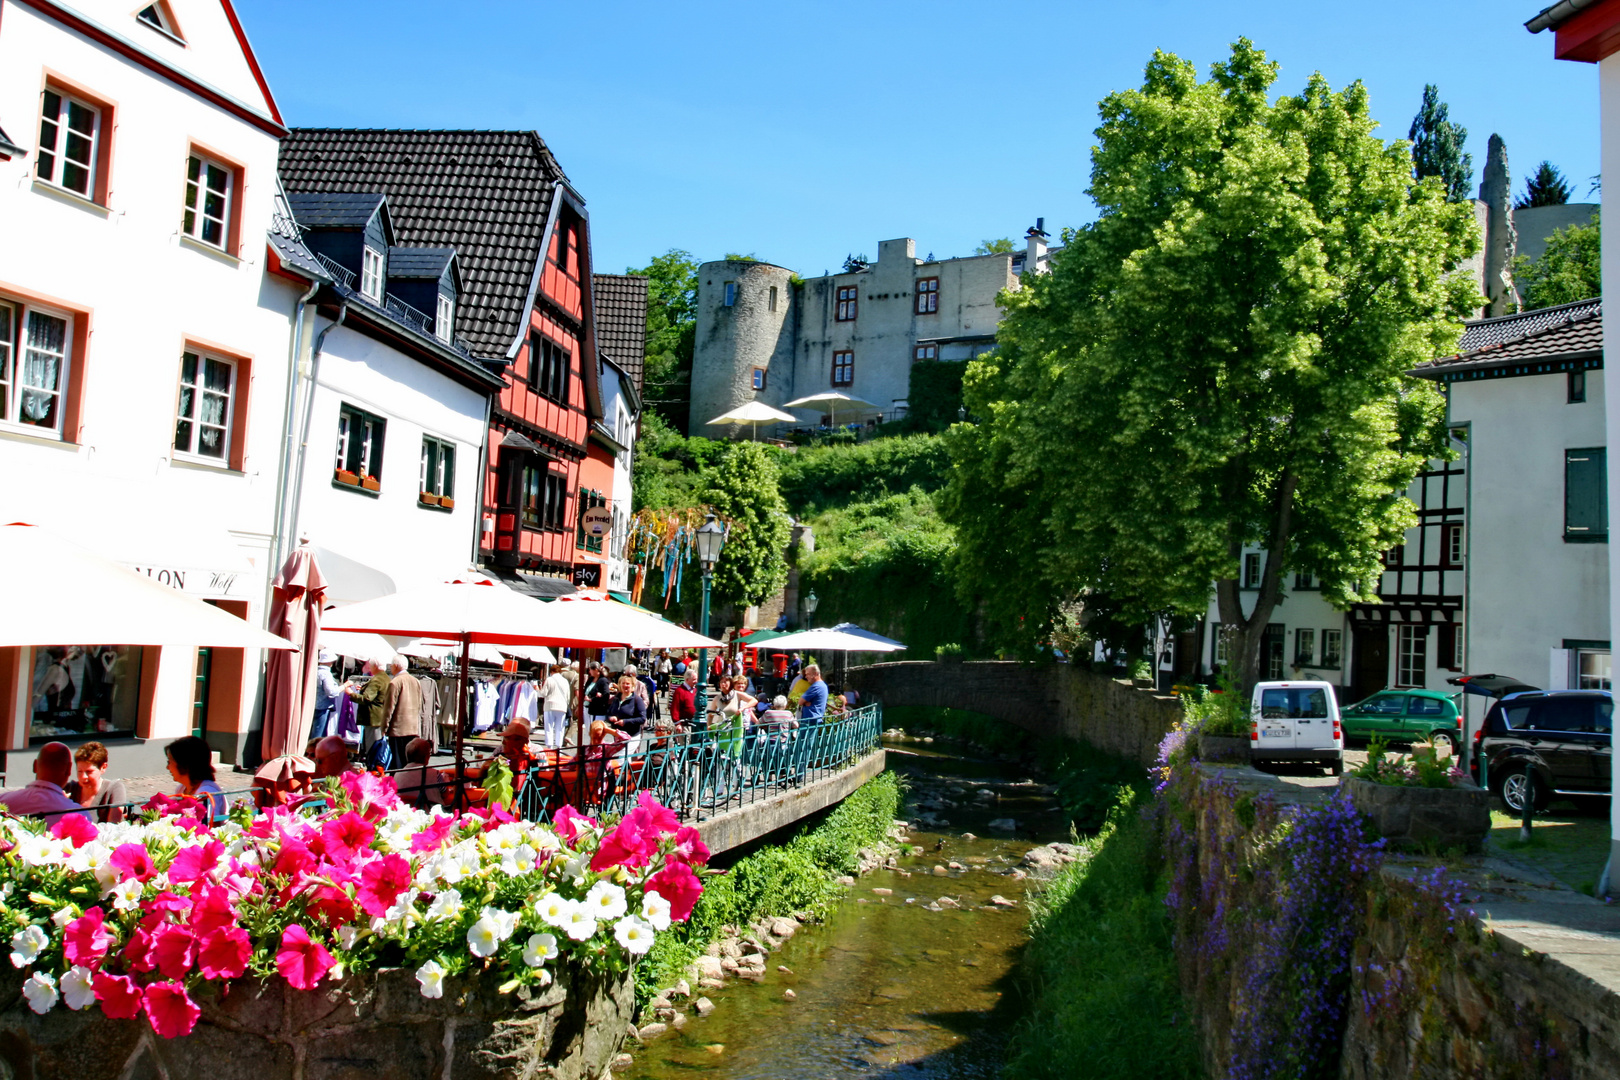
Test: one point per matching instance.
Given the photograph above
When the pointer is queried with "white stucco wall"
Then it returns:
(391, 530)
(148, 294)
(1528, 588)
(1609, 113)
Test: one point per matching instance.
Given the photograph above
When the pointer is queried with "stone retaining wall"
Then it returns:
(375, 1025)
(1045, 699)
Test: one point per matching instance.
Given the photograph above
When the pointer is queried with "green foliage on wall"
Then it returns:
(742, 489)
(1570, 269)
(668, 470)
(935, 394)
(671, 331)
(885, 564)
(817, 477)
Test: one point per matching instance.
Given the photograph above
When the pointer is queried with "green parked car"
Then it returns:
(1406, 716)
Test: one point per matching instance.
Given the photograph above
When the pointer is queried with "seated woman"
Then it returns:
(778, 719)
(191, 763)
(418, 783)
(628, 713)
(92, 788)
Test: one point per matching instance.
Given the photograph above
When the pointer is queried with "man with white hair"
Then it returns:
(402, 710)
(555, 694)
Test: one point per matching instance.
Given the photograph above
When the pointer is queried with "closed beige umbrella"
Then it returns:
(755, 413)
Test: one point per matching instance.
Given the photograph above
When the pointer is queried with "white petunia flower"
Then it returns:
(542, 947)
(63, 916)
(575, 868)
(483, 937)
(634, 933)
(655, 909)
(127, 895)
(26, 945)
(431, 978)
(606, 901)
(37, 850)
(78, 989)
(347, 936)
(40, 990)
(505, 922)
(579, 923)
(446, 905)
(553, 909)
(403, 907)
(89, 859)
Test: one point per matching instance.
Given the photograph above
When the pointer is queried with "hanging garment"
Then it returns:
(449, 708)
(430, 706)
(348, 720)
(527, 704)
(486, 700)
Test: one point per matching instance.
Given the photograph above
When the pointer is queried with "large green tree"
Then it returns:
(1570, 269)
(743, 489)
(672, 282)
(1545, 187)
(1437, 147)
(1217, 362)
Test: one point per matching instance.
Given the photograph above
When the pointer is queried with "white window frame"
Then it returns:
(197, 191)
(435, 484)
(1411, 655)
(51, 158)
(1253, 570)
(846, 366)
(369, 467)
(444, 320)
(1221, 652)
(371, 274)
(190, 452)
(1334, 657)
(927, 296)
(1601, 676)
(924, 353)
(1304, 648)
(1455, 545)
(15, 352)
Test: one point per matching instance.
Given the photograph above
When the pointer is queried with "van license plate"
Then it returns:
(1274, 732)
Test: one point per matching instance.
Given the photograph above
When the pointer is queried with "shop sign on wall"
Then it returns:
(598, 521)
(588, 575)
(194, 580)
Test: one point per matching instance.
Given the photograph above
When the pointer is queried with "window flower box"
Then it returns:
(428, 498)
(370, 483)
(344, 476)
(447, 502)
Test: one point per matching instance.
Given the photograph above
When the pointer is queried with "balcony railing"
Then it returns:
(396, 309)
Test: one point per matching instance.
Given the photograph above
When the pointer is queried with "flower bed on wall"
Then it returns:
(137, 919)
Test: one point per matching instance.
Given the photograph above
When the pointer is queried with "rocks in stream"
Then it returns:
(1045, 860)
(703, 1006)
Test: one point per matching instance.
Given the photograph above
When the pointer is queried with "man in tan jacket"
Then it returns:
(402, 711)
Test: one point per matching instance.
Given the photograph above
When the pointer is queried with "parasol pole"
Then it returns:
(461, 716)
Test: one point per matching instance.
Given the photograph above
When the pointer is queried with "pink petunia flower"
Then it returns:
(630, 843)
(138, 949)
(568, 821)
(432, 837)
(174, 951)
(167, 903)
(170, 1009)
(294, 860)
(345, 836)
(677, 884)
(118, 995)
(302, 961)
(374, 795)
(196, 861)
(211, 911)
(133, 861)
(225, 955)
(662, 818)
(689, 847)
(76, 827)
(86, 939)
(381, 882)
(331, 906)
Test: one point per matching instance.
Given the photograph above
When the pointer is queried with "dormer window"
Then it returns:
(371, 275)
(160, 18)
(444, 321)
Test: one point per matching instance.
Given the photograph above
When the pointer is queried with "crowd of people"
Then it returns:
(646, 703)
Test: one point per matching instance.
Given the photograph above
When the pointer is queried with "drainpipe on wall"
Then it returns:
(309, 412)
(279, 549)
(483, 479)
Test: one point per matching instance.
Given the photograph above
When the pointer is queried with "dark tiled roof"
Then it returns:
(293, 254)
(1482, 332)
(333, 209)
(7, 146)
(621, 321)
(1577, 335)
(409, 262)
(485, 193)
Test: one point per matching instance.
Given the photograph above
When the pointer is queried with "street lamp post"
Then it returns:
(711, 537)
(810, 605)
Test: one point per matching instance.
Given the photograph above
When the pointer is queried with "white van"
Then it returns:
(1297, 722)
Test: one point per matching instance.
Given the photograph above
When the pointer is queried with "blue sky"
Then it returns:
(804, 132)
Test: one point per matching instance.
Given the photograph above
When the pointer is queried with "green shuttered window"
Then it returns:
(1586, 496)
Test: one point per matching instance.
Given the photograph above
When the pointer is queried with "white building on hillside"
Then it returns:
(142, 366)
(764, 334)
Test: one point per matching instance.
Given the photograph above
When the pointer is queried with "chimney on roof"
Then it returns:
(1035, 248)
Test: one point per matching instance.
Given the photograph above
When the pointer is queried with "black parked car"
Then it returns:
(1562, 737)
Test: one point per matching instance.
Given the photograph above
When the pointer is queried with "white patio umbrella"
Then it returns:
(835, 640)
(628, 625)
(372, 647)
(60, 594)
(755, 413)
(832, 399)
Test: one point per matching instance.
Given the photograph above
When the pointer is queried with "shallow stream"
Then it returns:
(896, 982)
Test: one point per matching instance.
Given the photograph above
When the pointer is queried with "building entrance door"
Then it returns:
(1370, 672)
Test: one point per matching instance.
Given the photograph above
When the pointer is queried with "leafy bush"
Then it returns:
(670, 469)
(778, 880)
(1426, 769)
(1099, 973)
(1221, 712)
(950, 653)
(818, 477)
